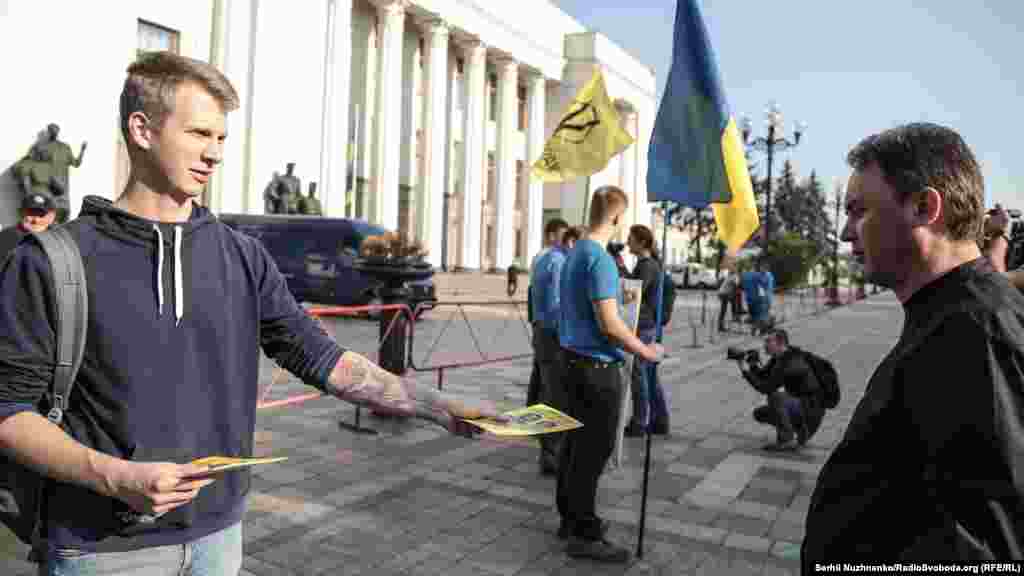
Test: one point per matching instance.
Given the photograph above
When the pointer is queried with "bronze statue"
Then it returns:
(58, 158)
(283, 193)
(310, 205)
(290, 190)
(61, 157)
(37, 173)
(271, 199)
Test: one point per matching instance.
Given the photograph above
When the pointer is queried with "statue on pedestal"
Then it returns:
(283, 193)
(271, 199)
(310, 205)
(38, 174)
(58, 158)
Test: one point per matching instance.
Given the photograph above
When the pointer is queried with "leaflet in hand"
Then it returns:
(224, 463)
(529, 421)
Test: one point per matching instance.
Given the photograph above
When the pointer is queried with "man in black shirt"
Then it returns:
(38, 210)
(794, 404)
(931, 466)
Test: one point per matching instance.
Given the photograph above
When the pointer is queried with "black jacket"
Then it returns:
(791, 372)
(647, 270)
(932, 464)
(177, 316)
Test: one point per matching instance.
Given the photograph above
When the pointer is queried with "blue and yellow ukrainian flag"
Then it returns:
(696, 153)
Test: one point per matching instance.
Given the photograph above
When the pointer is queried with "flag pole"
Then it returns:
(657, 338)
(586, 202)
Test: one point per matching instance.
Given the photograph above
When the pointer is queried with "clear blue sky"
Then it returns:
(849, 69)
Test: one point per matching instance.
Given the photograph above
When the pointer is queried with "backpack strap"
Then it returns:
(72, 313)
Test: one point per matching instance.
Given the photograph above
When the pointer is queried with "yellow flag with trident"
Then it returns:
(587, 136)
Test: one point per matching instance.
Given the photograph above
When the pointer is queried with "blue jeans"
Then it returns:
(219, 554)
(649, 403)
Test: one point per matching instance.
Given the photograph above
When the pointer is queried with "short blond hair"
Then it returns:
(153, 80)
(604, 203)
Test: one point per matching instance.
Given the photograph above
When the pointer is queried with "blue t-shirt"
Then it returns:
(545, 287)
(588, 275)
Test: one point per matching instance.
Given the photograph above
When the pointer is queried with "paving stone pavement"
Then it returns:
(413, 500)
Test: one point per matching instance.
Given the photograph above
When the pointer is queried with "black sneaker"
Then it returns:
(597, 550)
(563, 529)
(660, 428)
(633, 430)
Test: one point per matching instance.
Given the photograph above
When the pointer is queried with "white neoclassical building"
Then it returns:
(423, 116)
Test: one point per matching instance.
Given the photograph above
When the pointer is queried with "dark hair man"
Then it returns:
(38, 211)
(572, 235)
(172, 353)
(794, 404)
(930, 465)
(544, 307)
(592, 337)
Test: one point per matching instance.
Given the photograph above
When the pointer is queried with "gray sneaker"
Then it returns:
(597, 550)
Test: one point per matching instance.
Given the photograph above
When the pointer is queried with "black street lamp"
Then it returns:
(770, 144)
(834, 300)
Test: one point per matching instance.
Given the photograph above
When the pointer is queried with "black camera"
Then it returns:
(1015, 251)
(615, 248)
(751, 356)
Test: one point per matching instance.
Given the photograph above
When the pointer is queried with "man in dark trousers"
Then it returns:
(38, 211)
(592, 336)
(931, 467)
(794, 401)
(544, 306)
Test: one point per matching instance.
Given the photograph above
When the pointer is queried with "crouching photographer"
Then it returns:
(795, 402)
(1003, 243)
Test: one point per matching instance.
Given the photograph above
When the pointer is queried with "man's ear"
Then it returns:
(927, 207)
(140, 130)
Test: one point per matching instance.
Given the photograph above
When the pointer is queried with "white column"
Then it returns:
(335, 129)
(508, 83)
(536, 95)
(435, 139)
(233, 51)
(473, 144)
(627, 168)
(366, 129)
(388, 137)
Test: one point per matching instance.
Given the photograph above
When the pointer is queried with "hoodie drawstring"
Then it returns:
(179, 295)
(159, 270)
(179, 292)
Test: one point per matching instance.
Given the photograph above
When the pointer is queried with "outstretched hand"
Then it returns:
(358, 380)
(453, 415)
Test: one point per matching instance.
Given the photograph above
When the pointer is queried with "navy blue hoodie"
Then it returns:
(177, 314)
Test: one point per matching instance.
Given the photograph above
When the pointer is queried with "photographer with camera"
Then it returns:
(794, 405)
(998, 243)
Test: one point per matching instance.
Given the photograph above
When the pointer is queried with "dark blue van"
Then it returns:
(315, 255)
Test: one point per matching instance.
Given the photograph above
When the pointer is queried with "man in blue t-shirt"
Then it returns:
(544, 302)
(592, 337)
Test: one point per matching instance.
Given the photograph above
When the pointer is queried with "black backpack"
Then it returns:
(827, 378)
(668, 299)
(22, 490)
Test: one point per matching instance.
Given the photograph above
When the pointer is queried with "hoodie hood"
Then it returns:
(170, 243)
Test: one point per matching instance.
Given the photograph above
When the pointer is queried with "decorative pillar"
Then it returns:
(334, 144)
(388, 137)
(233, 51)
(435, 139)
(473, 143)
(508, 83)
(536, 95)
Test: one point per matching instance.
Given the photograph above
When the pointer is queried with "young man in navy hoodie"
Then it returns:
(180, 306)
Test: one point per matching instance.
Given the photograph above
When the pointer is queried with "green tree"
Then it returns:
(790, 258)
